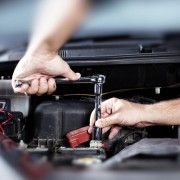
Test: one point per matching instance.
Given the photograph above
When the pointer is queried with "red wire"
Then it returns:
(2, 130)
(6, 121)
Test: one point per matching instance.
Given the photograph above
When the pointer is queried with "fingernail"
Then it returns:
(78, 75)
(98, 123)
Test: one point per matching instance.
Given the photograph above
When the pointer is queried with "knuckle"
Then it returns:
(51, 82)
(42, 90)
(120, 103)
(32, 90)
(105, 122)
(43, 81)
(114, 99)
(116, 117)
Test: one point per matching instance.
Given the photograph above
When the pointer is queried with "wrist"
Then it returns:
(40, 53)
(41, 46)
(156, 114)
(149, 116)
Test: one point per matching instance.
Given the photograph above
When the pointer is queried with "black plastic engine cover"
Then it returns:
(54, 119)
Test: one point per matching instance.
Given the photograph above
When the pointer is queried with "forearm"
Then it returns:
(165, 113)
(57, 21)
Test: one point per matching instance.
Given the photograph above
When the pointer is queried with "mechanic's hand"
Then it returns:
(116, 113)
(39, 70)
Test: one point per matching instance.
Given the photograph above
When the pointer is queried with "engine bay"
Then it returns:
(46, 136)
(40, 129)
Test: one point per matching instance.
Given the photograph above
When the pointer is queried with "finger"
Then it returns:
(104, 130)
(33, 88)
(92, 118)
(104, 115)
(71, 75)
(43, 86)
(107, 121)
(114, 131)
(90, 130)
(106, 106)
(13, 83)
(51, 85)
(22, 89)
(92, 121)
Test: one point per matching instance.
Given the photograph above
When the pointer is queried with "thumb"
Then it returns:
(107, 121)
(59, 67)
(71, 75)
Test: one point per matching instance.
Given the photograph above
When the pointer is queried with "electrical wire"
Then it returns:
(2, 130)
(10, 116)
(123, 90)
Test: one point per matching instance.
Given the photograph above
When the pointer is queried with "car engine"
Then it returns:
(46, 136)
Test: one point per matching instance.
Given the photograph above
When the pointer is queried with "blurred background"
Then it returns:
(107, 18)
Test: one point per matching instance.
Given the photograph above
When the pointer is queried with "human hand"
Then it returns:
(39, 70)
(116, 113)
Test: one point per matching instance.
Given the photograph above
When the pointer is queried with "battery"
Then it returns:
(78, 136)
